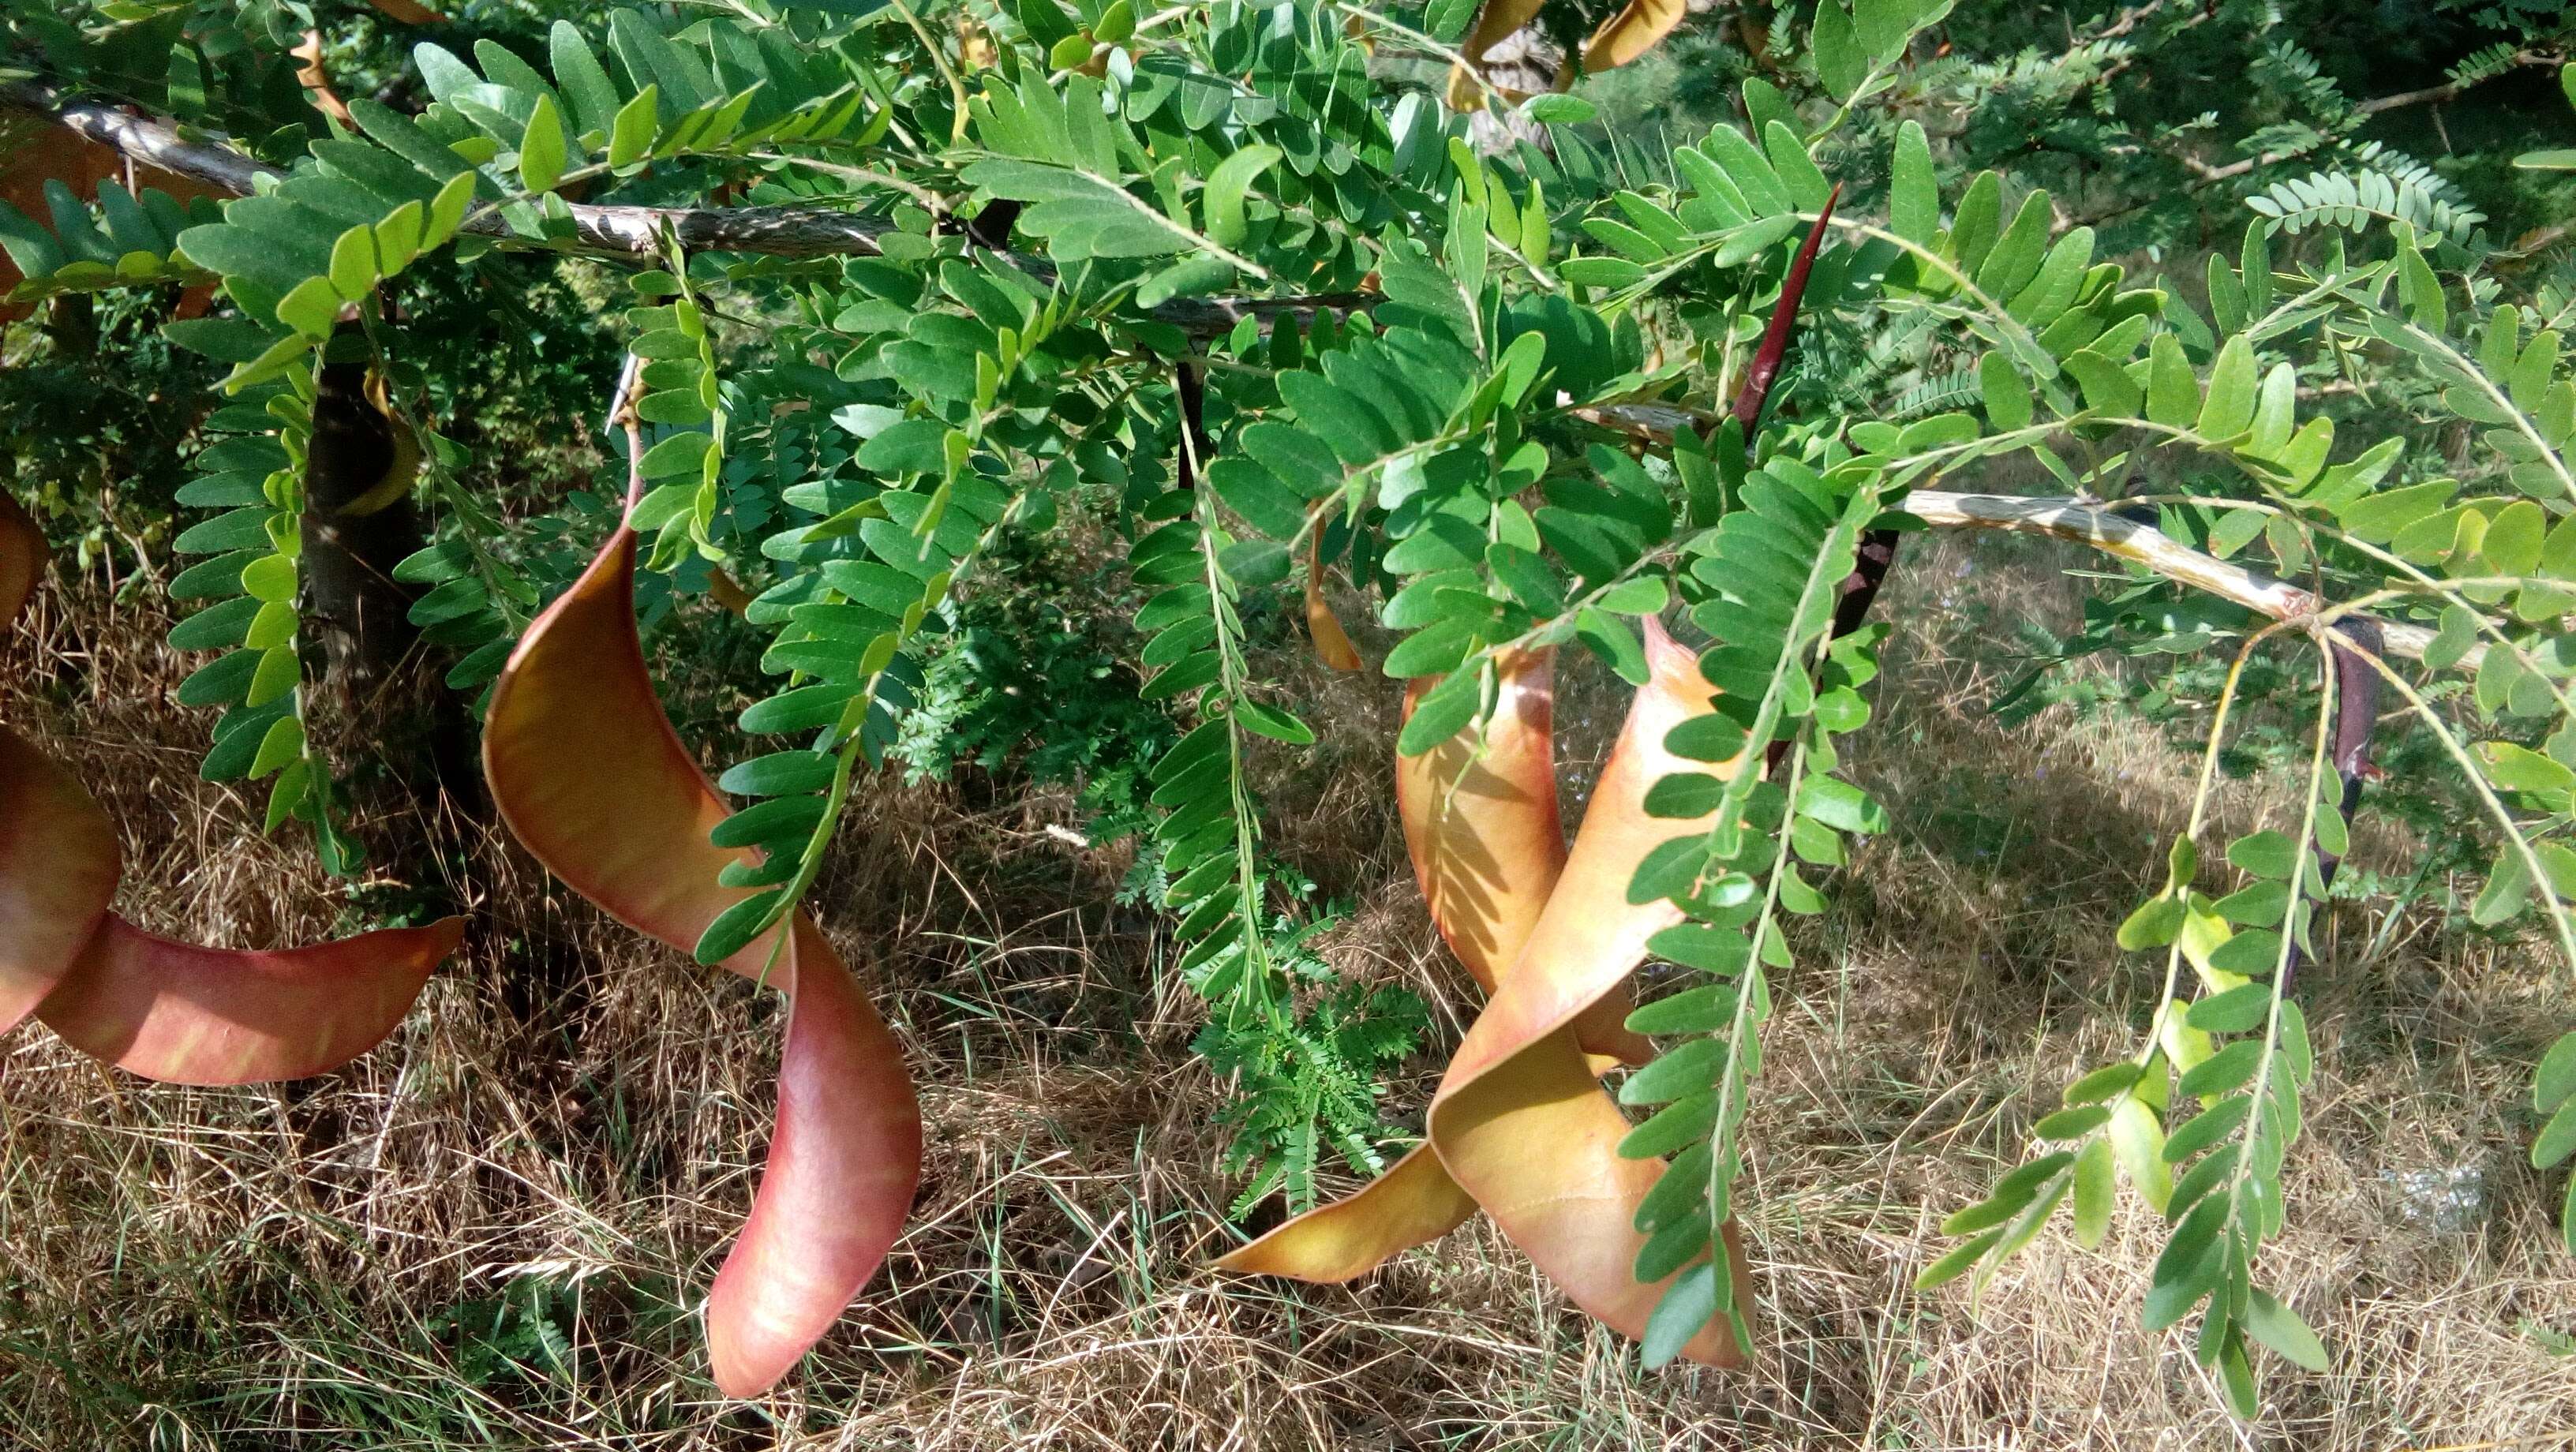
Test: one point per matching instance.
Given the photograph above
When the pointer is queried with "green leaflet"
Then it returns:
(1778, 558)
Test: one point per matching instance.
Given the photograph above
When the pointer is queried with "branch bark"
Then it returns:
(632, 233)
(2085, 522)
(2430, 95)
(2114, 534)
(358, 523)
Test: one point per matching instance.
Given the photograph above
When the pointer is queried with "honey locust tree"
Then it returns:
(903, 286)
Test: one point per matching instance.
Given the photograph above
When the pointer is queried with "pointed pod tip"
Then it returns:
(1332, 643)
(736, 1378)
(179, 1013)
(446, 934)
(1413, 1203)
(1667, 659)
(843, 1167)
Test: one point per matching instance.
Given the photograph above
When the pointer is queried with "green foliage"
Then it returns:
(2408, 193)
(98, 407)
(1766, 580)
(1210, 292)
(133, 242)
(1309, 1083)
(251, 475)
(1034, 682)
(522, 1334)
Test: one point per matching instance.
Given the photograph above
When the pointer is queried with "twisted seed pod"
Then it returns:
(591, 779)
(1480, 817)
(58, 869)
(1482, 827)
(1520, 1121)
(182, 1014)
(166, 1010)
(841, 1174)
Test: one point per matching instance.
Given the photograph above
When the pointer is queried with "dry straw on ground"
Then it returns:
(491, 1231)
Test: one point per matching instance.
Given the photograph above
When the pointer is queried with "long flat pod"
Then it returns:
(162, 1009)
(1332, 643)
(58, 868)
(1482, 827)
(592, 780)
(1520, 1121)
(1413, 1203)
(183, 1014)
(1480, 817)
(1638, 28)
(842, 1169)
(22, 558)
(1495, 19)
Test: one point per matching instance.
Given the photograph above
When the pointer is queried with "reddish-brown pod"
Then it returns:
(58, 870)
(1481, 824)
(592, 780)
(1332, 644)
(22, 557)
(842, 1169)
(182, 1014)
(1520, 1120)
(1774, 347)
(162, 1009)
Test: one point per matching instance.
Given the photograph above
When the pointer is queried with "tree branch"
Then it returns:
(2114, 534)
(2084, 522)
(2430, 95)
(632, 233)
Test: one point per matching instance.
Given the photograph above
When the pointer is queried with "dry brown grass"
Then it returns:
(574, 1115)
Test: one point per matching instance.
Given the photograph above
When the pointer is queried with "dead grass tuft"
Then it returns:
(493, 1231)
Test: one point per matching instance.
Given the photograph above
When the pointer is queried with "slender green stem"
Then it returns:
(2302, 867)
(947, 72)
(1230, 677)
